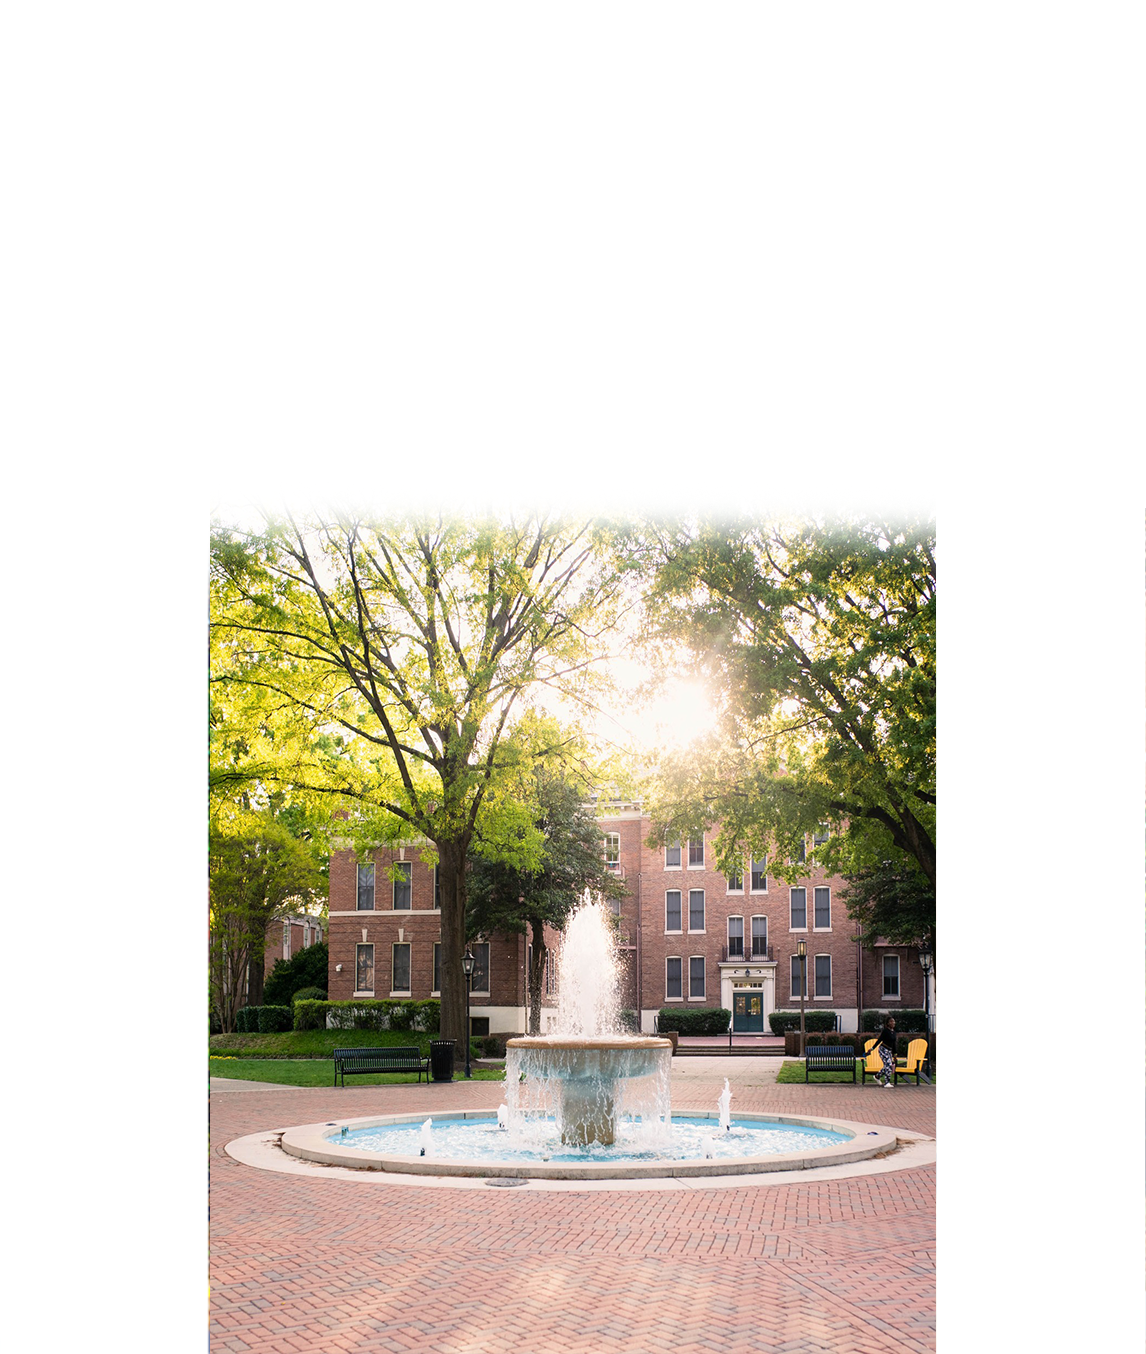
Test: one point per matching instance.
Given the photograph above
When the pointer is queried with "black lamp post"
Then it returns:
(468, 970)
(802, 951)
(927, 964)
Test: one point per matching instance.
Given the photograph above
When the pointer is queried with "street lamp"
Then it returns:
(927, 964)
(468, 970)
(802, 951)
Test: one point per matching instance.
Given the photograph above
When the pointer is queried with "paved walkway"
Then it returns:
(325, 1265)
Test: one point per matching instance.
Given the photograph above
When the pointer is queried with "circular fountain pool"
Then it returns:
(472, 1144)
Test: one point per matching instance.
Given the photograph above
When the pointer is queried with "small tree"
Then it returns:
(308, 968)
(503, 898)
(257, 869)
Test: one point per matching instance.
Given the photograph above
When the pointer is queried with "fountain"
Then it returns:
(589, 1070)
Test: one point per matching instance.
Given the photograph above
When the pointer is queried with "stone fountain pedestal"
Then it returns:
(587, 1072)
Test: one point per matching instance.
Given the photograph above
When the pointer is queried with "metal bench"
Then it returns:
(829, 1058)
(354, 1060)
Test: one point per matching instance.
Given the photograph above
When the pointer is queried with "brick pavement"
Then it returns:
(302, 1264)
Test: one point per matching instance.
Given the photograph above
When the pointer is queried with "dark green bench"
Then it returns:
(829, 1058)
(352, 1060)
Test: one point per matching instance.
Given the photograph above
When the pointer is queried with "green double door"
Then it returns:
(747, 1013)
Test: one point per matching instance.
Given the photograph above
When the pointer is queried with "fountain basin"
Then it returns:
(582, 1074)
(320, 1143)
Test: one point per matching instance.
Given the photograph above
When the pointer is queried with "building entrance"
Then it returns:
(747, 1013)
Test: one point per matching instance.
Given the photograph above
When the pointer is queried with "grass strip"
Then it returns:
(792, 1074)
(315, 1072)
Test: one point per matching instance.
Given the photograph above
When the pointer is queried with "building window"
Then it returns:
(672, 980)
(891, 975)
(695, 852)
(801, 853)
(798, 920)
(615, 906)
(402, 887)
(696, 978)
(364, 968)
(823, 909)
(400, 971)
(480, 981)
(437, 891)
(735, 937)
(696, 909)
(760, 875)
(672, 910)
(366, 888)
(734, 883)
(613, 851)
(760, 935)
(820, 836)
(823, 975)
(286, 939)
(796, 975)
(437, 965)
(672, 856)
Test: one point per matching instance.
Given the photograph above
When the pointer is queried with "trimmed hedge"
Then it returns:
(913, 1021)
(706, 1020)
(309, 994)
(264, 1020)
(365, 1014)
(783, 1022)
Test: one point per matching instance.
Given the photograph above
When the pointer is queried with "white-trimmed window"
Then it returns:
(891, 976)
(696, 909)
(402, 886)
(796, 975)
(613, 851)
(820, 836)
(364, 968)
(400, 970)
(696, 853)
(823, 967)
(696, 978)
(437, 890)
(801, 853)
(734, 882)
(760, 875)
(798, 910)
(366, 887)
(437, 967)
(480, 981)
(286, 939)
(822, 909)
(672, 910)
(672, 979)
(760, 935)
(735, 937)
(672, 855)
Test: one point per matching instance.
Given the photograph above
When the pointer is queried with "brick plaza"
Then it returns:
(326, 1265)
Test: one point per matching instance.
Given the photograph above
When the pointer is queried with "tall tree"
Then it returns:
(392, 656)
(506, 897)
(257, 867)
(818, 639)
(892, 898)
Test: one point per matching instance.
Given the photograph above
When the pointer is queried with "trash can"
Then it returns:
(442, 1059)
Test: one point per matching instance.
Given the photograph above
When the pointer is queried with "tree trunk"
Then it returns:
(452, 881)
(256, 964)
(535, 976)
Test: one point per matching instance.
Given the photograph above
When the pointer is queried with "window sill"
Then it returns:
(400, 994)
(672, 933)
(672, 999)
(369, 994)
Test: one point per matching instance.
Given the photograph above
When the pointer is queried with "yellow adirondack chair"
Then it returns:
(909, 1066)
(873, 1063)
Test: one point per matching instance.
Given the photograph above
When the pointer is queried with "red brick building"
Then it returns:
(288, 935)
(690, 936)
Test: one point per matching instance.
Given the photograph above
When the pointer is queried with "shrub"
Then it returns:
(305, 969)
(909, 1021)
(706, 1020)
(852, 1041)
(784, 1021)
(275, 1019)
(309, 994)
(630, 1022)
(424, 1017)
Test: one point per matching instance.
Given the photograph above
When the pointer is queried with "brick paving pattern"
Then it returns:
(321, 1266)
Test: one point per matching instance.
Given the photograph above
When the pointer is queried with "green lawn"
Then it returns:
(320, 1072)
(320, 1043)
(793, 1072)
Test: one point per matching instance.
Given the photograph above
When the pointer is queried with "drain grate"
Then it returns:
(506, 1181)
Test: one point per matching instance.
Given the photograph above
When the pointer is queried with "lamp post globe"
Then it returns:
(468, 970)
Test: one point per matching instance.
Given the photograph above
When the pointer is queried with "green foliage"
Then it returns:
(695, 1020)
(820, 640)
(904, 1021)
(852, 1041)
(368, 1014)
(783, 1021)
(305, 970)
(264, 1019)
(309, 994)
(892, 898)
